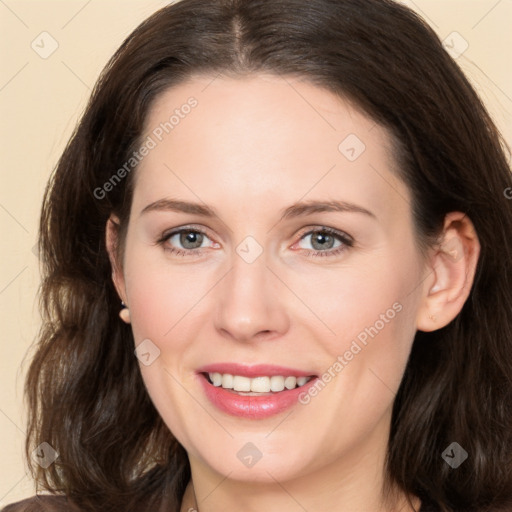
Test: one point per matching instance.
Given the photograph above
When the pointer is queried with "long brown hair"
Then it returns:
(85, 393)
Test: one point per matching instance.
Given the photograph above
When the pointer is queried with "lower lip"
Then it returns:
(252, 406)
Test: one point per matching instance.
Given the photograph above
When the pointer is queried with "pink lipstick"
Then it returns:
(254, 392)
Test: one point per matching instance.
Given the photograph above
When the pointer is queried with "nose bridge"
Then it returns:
(249, 301)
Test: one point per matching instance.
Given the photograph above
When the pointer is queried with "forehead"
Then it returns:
(265, 140)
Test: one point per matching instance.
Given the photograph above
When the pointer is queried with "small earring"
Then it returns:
(124, 314)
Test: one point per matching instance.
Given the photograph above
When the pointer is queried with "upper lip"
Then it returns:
(256, 370)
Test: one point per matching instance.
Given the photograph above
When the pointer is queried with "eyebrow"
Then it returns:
(295, 210)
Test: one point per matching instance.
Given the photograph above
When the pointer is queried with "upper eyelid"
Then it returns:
(175, 231)
(318, 228)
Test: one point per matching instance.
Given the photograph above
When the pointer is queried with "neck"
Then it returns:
(190, 504)
(351, 483)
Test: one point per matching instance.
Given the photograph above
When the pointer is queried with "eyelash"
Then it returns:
(347, 242)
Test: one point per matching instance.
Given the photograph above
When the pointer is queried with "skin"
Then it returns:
(252, 147)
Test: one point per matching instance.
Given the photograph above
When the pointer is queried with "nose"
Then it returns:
(250, 302)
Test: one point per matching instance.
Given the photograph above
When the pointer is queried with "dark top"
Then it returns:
(46, 503)
(41, 503)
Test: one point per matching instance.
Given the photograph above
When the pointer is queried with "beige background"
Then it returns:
(41, 99)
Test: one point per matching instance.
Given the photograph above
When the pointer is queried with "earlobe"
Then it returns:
(451, 272)
(124, 314)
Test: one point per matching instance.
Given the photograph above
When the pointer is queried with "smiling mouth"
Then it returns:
(255, 386)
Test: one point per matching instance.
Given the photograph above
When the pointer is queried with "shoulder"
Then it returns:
(42, 503)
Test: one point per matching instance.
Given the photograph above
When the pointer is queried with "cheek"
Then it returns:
(372, 315)
(354, 299)
(370, 311)
(162, 294)
(162, 305)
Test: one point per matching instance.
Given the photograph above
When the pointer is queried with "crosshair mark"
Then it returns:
(351, 147)
(455, 44)
(44, 45)
(45, 455)
(249, 249)
(249, 455)
(454, 249)
(147, 352)
(454, 455)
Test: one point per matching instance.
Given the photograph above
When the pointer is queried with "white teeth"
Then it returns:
(301, 381)
(216, 378)
(227, 380)
(241, 383)
(290, 382)
(262, 384)
(276, 383)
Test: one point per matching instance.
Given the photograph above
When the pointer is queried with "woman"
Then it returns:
(226, 146)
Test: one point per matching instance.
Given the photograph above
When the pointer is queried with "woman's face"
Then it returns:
(243, 166)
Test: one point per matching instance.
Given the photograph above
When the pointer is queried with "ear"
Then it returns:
(112, 241)
(451, 270)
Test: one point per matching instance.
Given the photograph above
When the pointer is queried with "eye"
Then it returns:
(191, 241)
(323, 242)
